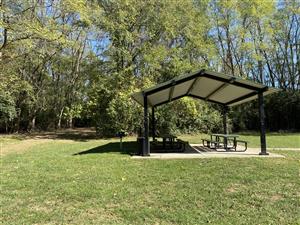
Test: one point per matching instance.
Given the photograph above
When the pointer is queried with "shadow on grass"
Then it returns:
(129, 148)
(70, 134)
(78, 134)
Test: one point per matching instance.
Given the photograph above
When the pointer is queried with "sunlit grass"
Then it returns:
(51, 184)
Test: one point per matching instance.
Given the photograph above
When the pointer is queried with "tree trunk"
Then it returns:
(70, 122)
(33, 123)
(260, 68)
(6, 127)
(59, 118)
(17, 124)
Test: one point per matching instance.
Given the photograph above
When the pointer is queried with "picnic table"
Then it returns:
(168, 138)
(224, 139)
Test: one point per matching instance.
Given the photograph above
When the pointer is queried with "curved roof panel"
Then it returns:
(205, 85)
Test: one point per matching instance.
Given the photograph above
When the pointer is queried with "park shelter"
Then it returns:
(209, 86)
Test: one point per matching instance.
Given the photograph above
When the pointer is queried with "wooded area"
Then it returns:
(66, 63)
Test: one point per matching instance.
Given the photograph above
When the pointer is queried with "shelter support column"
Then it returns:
(225, 112)
(263, 145)
(153, 123)
(146, 146)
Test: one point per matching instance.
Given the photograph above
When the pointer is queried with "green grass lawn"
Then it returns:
(50, 183)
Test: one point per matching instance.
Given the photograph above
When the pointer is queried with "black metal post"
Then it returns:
(146, 146)
(153, 123)
(225, 111)
(263, 145)
(121, 143)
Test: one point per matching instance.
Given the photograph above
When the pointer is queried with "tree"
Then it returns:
(63, 61)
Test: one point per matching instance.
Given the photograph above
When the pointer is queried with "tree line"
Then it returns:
(67, 63)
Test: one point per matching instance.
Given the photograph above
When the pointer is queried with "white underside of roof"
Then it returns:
(216, 88)
(270, 91)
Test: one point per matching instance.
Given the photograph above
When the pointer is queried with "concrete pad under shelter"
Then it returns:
(198, 151)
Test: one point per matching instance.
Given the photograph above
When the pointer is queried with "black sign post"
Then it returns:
(121, 134)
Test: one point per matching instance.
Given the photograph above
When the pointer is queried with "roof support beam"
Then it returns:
(241, 98)
(221, 87)
(170, 84)
(173, 99)
(193, 85)
(236, 83)
(171, 91)
(190, 95)
(201, 98)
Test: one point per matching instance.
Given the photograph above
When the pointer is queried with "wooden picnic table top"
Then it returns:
(226, 135)
(167, 136)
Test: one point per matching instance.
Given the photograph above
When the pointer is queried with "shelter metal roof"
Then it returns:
(205, 85)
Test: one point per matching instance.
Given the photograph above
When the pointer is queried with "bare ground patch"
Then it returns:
(235, 188)
(275, 198)
(24, 145)
(21, 146)
(18, 143)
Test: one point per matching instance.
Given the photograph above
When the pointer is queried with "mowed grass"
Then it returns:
(274, 140)
(51, 183)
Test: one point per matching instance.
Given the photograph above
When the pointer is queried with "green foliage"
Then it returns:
(282, 110)
(7, 107)
(282, 113)
(125, 114)
(44, 50)
(188, 116)
(70, 62)
(16, 100)
(150, 42)
(112, 110)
